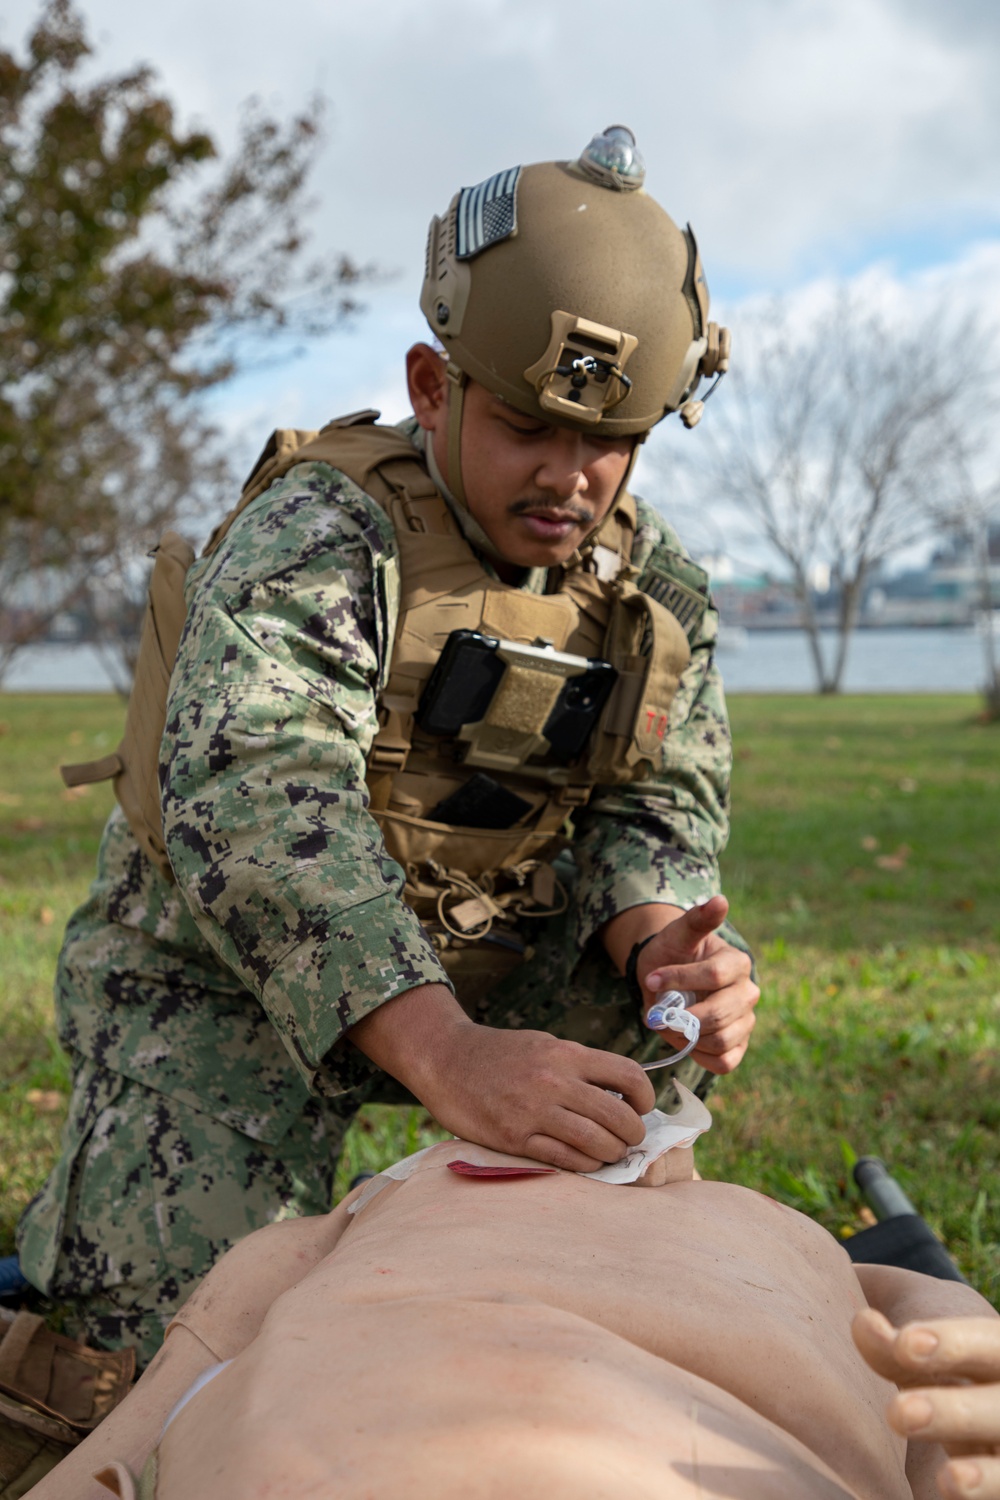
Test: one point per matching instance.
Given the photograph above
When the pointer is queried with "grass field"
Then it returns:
(863, 869)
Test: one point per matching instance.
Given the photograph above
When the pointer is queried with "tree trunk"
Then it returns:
(811, 627)
(847, 612)
(991, 687)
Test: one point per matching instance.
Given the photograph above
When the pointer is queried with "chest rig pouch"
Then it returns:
(470, 885)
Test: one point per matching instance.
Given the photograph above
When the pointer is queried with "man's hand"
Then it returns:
(523, 1092)
(536, 1095)
(949, 1369)
(688, 954)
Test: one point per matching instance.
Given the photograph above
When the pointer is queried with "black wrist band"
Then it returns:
(631, 977)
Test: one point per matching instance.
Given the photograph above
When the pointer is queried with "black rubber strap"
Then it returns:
(631, 964)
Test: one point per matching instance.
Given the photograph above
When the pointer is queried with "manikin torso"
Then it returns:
(550, 1328)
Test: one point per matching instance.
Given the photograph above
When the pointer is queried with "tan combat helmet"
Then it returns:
(564, 289)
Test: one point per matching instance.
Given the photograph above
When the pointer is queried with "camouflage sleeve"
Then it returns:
(660, 840)
(270, 717)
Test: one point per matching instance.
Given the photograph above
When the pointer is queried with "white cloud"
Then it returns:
(802, 138)
(794, 134)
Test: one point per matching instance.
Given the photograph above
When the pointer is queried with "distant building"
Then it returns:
(947, 592)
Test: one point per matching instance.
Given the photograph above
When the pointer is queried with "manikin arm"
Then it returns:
(940, 1342)
(227, 1310)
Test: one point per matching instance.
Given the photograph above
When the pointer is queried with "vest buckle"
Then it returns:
(388, 757)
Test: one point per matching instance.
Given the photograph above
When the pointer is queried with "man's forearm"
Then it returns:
(620, 935)
(408, 1036)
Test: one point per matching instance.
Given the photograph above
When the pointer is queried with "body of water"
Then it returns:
(766, 661)
(878, 661)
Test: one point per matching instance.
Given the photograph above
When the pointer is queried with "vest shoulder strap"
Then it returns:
(380, 460)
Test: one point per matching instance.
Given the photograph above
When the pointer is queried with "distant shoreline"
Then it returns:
(882, 659)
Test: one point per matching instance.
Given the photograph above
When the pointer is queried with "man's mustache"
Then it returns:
(582, 514)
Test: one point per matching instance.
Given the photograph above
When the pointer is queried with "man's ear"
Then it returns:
(427, 385)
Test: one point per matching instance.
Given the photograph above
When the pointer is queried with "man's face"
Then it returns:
(536, 490)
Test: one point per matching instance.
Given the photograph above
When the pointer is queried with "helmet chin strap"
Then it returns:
(456, 401)
(453, 489)
(633, 459)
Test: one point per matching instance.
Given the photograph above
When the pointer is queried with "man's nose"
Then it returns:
(562, 468)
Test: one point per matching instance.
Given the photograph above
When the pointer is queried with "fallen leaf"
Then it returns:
(833, 742)
(869, 842)
(896, 861)
(964, 903)
(29, 825)
(74, 793)
(4, 727)
(76, 738)
(9, 799)
(867, 1217)
(45, 1101)
(907, 784)
(46, 916)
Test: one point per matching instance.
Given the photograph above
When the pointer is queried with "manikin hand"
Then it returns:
(688, 954)
(949, 1369)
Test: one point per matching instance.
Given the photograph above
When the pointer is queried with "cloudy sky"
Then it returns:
(805, 140)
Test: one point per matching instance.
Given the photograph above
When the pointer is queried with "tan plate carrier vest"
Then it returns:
(465, 884)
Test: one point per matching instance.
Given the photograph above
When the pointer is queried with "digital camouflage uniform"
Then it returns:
(207, 1020)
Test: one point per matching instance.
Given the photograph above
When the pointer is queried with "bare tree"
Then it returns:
(138, 268)
(827, 443)
(967, 507)
(149, 464)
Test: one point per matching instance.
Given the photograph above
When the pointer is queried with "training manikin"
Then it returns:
(542, 1335)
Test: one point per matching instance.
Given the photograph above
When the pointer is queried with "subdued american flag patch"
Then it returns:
(486, 213)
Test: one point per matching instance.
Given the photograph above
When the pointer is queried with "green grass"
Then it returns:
(880, 1019)
(879, 1025)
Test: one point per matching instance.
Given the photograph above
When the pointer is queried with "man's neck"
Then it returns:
(532, 579)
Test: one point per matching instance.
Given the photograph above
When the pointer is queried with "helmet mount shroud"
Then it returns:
(565, 290)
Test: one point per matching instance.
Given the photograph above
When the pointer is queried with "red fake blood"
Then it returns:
(469, 1169)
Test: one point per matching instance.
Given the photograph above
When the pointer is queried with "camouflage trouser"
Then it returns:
(148, 1194)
